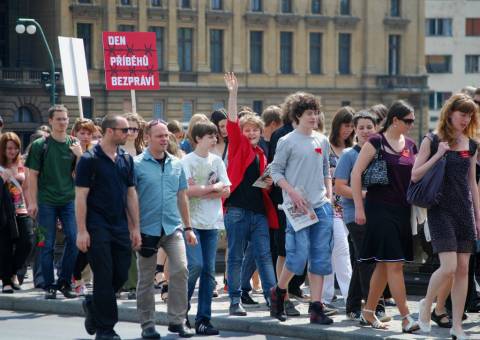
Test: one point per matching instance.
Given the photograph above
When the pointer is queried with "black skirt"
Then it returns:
(388, 234)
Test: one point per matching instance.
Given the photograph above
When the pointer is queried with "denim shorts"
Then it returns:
(313, 244)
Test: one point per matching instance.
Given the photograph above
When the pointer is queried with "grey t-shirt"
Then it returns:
(302, 160)
(343, 170)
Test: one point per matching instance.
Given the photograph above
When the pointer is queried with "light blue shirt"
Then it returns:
(342, 171)
(157, 193)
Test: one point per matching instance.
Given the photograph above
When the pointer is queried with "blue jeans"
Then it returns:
(201, 263)
(248, 268)
(243, 226)
(47, 219)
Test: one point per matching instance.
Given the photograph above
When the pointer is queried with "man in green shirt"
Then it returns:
(51, 162)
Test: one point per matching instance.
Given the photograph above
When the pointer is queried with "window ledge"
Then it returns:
(396, 23)
(317, 20)
(346, 21)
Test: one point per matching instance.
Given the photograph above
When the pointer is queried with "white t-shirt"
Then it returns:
(205, 213)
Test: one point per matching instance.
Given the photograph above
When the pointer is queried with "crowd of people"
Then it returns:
(140, 206)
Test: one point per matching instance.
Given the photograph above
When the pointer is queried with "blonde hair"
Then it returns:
(458, 102)
(197, 117)
(251, 119)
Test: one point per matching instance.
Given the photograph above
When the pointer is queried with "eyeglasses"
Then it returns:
(477, 102)
(134, 130)
(124, 130)
(408, 121)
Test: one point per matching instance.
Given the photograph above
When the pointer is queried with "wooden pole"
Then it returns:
(134, 101)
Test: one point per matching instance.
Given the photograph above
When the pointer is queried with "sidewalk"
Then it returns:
(257, 321)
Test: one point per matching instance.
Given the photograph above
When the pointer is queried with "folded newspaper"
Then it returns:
(260, 182)
(12, 179)
(298, 218)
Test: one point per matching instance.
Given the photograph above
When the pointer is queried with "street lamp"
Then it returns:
(30, 26)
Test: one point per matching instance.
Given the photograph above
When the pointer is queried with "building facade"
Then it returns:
(452, 50)
(356, 53)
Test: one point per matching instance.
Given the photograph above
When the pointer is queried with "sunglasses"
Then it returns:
(124, 130)
(408, 121)
(477, 102)
(134, 130)
(156, 122)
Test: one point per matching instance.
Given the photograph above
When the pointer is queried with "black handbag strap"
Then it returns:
(434, 141)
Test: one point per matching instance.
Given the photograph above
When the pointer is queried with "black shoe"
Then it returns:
(277, 300)
(290, 309)
(51, 294)
(205, 328)
(237, 309)
(109, 335)
(16, 286)
(89, 323)
(7, 290)
(150, 333)
(247, 299)
(67, 291)
(182, 330)
(132, 294)
(317, 315)
(297, 294)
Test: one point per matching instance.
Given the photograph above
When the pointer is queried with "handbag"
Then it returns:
(427, 191)
(376, 172)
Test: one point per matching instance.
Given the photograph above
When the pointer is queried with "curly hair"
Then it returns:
(83, 123)
(297, 103)
(458, 102)
(251, 119)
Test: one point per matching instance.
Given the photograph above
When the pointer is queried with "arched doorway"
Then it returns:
(25, 120)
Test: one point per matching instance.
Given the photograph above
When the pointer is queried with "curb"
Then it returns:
(254, 325)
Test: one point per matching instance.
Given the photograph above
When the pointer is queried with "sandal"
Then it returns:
(377, 324)
(438, 320)
(411, 326)
(7, 289)
(424, 326)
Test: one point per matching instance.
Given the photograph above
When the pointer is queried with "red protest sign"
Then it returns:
(130, 60)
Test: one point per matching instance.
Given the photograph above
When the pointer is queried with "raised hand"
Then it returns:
(231, 82)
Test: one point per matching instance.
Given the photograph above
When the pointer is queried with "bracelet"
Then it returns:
(187, 228)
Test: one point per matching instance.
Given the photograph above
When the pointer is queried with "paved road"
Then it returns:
(25, 325)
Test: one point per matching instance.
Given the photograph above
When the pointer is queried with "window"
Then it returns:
(158, 109)
(436, 99)
(395, 8)
(287, 6)
(185, 49)
(344, 53)
(125, 2)
(218, 105)
(187, 109)
(345, 7)
(159, 38)
(439, 63)
(84, 1)
(126, 28)
(185, 4)
(472, 64)
(217, 4)
(286, 52)
(316, 53)
(84, 31)
(256, 5)
(156, 3)
(257, 106)
(256, 51)
(87, 105)
(23, 115)
(472, 27)
(393, 54)
(345, 103)
(216, 51)
(316, 6)
(438, 27)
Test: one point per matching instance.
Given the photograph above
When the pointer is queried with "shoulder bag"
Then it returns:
(376, 172)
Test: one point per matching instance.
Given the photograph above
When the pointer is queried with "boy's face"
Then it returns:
(308, 119)
(207, 142)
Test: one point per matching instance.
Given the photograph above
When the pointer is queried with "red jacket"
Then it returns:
(240, 155)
